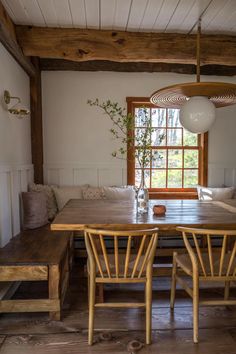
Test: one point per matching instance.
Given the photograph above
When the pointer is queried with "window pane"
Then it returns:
(174, 137)
(191, 158)
(159, 179)
(159, 158)
(190, 139)
(190, 178)
(173, 118)
(146, 177)
(175, 158)
(141, 115)
(140, 136)
(159, 137)
(158, 117)
(142, 160)
(174, 179)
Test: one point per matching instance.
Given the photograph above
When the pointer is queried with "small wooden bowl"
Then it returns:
(159, 209)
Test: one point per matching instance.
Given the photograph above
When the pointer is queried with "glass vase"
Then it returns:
(142, 197)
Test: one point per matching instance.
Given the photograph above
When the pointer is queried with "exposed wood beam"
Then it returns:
(8, 39)
(105, 65)
(36, 123)
(83, 45)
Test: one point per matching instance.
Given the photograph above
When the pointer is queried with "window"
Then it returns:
(178, 159)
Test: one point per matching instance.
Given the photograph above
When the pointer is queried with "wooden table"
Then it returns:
(117, 214)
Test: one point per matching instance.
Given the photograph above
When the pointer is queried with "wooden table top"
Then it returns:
(119, 213)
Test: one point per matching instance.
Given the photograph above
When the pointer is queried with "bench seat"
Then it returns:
(38, 255)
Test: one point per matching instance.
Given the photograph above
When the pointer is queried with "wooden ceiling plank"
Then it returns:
(21, 15)
(92, 13)
(33, 11)
(151, 13)
(165, 14)
(213, 9)
(49, 12)
(136, 14)
(179, 16)
(78, 13)
(121, 14)
(219, 20)
(82, 45)
(108, 8)
(63, 13)
(190, 19)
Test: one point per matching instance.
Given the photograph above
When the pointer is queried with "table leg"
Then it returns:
(54, 289)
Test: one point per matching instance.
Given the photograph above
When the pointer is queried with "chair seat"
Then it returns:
(184, 261)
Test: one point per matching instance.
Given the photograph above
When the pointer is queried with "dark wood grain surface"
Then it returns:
(35, 247)
(117, 214)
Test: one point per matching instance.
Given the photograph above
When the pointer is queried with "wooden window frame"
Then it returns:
(167, 193)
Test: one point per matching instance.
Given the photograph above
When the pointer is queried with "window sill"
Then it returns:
(173, 195)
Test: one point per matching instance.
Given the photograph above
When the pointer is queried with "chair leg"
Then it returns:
(195, 307)
(227, 288)
(92, 287)
(148, 295)
(173, 282)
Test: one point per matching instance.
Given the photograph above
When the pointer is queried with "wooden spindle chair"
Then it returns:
(210, 258)
(120, 265)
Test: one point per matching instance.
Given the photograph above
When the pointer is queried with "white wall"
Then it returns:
(15, 151)
(77, 142)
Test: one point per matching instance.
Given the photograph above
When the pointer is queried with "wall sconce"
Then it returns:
(18, 109)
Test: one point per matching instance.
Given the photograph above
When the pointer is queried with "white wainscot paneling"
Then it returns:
(13, 181)
(221, 176)
(77, 175)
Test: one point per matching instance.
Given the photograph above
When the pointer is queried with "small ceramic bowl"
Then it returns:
(159, 209)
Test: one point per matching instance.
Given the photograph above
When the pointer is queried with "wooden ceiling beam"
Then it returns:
(83, 45)
(8, 39)
(105, 65)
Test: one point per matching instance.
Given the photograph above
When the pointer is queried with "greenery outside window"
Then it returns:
(179, 158)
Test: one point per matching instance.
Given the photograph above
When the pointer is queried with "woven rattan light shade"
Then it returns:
(220, 93)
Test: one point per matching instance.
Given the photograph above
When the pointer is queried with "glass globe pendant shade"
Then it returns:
(197, 115)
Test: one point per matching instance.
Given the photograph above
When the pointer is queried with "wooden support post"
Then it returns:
(36, 122)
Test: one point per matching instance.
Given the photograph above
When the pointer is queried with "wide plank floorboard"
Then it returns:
(172, 332)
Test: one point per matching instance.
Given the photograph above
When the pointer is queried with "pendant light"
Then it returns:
(197, 100)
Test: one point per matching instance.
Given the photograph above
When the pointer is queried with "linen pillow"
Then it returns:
(93, 193)
(35, 212)
(51, 200)
(119, 193)
(64, 193)
(206, 193)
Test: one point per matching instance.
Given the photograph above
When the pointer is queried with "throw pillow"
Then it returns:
(64, 193)
(93, 193)
(51, 200)
(119, 193)
(34, 210)
(207, 193)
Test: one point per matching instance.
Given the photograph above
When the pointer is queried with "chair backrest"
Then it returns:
(119, 261)
(211, 251)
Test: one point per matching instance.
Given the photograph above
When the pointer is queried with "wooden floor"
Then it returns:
(35, 334)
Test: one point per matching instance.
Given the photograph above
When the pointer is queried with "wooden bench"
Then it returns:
(37, 255)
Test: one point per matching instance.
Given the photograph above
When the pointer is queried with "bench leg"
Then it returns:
(54, 289)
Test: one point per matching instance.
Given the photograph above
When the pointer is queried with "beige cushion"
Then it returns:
(207, 193)
(34, 210)
(64, 193)
(118, 193)
(93, 193)
(51, 200)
